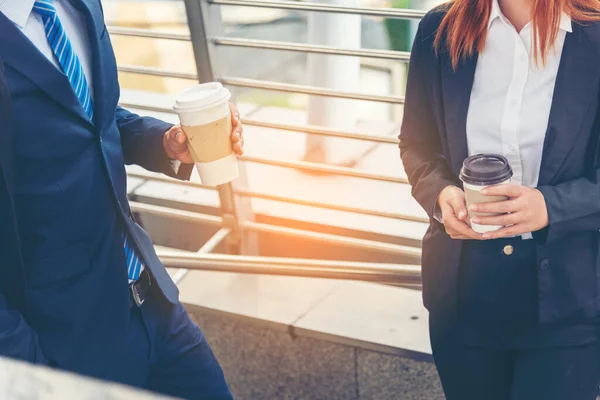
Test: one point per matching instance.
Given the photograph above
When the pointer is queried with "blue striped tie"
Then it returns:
(65, 55)
(71, 66)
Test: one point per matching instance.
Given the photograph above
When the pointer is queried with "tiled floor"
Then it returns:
(379, 317)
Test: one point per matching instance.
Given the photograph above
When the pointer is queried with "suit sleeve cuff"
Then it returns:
(436, 212)
(553, 230)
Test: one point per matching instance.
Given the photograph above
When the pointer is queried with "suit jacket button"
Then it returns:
(544, 265)
(508, 250)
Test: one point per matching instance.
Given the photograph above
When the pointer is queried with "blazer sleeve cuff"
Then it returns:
(556, 226)
(429, 200)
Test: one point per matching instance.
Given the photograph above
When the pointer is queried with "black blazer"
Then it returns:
(433, 146)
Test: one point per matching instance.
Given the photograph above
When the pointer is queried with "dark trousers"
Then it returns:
(495, 349)
(479, 373)
(169, 354)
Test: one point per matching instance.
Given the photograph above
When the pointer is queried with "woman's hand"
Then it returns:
(524, 211)
(451, 202)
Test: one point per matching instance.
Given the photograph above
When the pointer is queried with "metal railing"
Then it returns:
(212, 220)
(284, 199)
(310, 48)
(307, 6)
(371, 272)
(393, 274)
(204, 19)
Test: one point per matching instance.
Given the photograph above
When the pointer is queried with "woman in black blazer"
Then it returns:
(514, 313)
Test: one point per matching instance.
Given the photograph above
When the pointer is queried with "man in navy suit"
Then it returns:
(81, 287)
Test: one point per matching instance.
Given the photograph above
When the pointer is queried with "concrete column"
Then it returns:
(333, 72)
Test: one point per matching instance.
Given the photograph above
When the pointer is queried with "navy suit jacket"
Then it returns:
(63, 206)
(433, 145)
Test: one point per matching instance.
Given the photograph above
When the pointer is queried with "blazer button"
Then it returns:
(508, 250)
(544, 265)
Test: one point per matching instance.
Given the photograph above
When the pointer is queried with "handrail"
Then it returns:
(390, 248)
(311, 48)
(147, 33)
(372, 272)
(310, 129)
(330, 169)
(181, 215)
(266, 85)
(307, 6)
(329, 206)
(406, 251)
(208, 247)
(147, 107)
(312, 90)
(163, 178)
(149, 176)
(321, 131)
(153, 71)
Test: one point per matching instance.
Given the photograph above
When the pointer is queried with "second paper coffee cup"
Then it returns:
(204, 114)
(478, 172)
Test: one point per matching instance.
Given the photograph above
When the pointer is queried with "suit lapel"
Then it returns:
(22, 55)
(456, 92)
(95, 27)
(575, 87)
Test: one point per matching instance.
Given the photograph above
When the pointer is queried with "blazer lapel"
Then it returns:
(576, 84)
(456, 93)
(95, 27)
(22, 55)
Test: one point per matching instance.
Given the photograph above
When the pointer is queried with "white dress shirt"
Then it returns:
(74, 23)
(512, 95)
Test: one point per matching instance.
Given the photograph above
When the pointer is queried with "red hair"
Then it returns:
(464, 28)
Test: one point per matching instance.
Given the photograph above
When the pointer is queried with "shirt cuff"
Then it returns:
(437, 214)
(175, 164)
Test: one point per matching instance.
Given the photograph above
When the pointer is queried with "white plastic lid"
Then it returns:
(201, 97)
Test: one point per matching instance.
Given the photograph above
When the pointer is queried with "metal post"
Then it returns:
(333, 72)
(205, 22)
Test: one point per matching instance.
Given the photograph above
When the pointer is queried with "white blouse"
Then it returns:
(512, 95)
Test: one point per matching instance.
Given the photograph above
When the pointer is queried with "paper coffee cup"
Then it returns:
(478, 172)
(205, 117)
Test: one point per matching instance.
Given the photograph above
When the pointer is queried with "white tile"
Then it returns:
(276, 299)
(378, 314)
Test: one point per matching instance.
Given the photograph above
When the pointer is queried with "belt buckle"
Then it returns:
(137, 295)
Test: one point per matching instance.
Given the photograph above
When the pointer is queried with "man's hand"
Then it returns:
(454, 213)
(175, 140)
(524, 211)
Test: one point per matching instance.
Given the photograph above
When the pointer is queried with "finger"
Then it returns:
(461, 228)
(496, 207)
(235, 115)
(449, 212)
(180, 137)
(459, 208)
(500, 220)
(177, 135)
(176, 146)
(508, 231)
(237, 134)
(457, 236)
(238, 148)
(503, 190)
